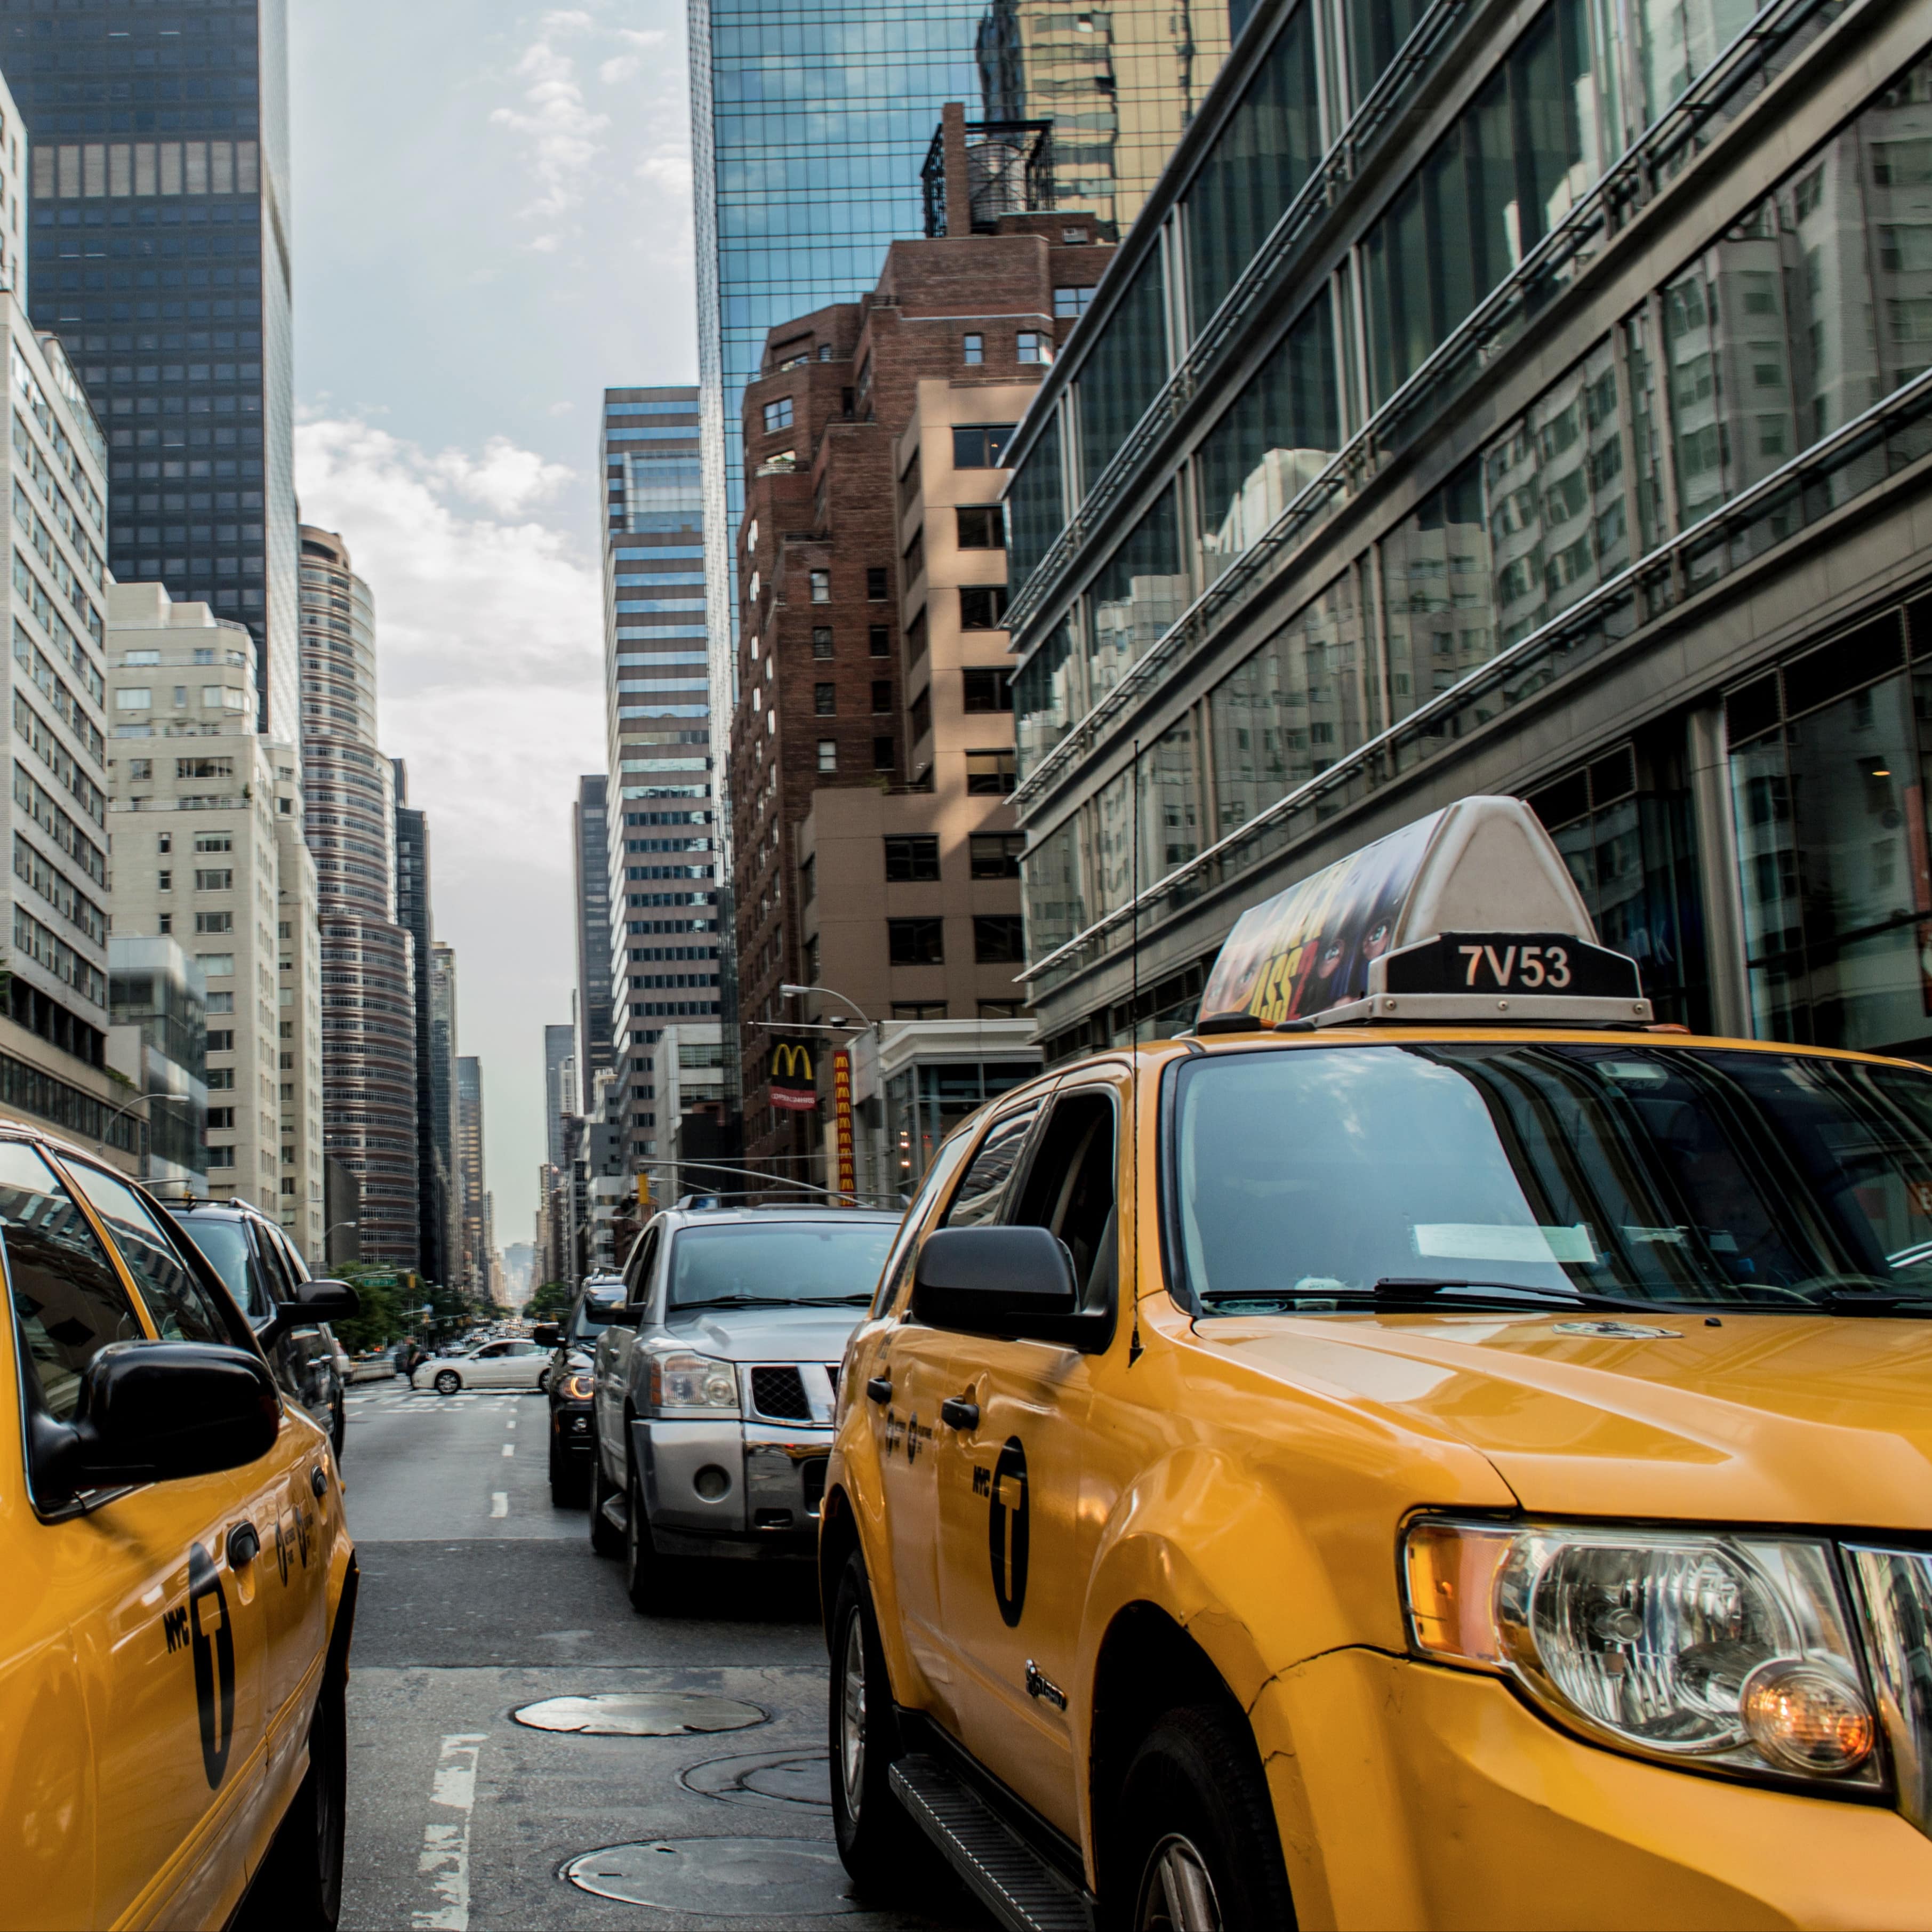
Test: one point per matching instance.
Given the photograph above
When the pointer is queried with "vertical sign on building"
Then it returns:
(841, 1123)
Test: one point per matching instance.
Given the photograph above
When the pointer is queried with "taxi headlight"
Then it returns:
(684, 1382)
(1732, 1652)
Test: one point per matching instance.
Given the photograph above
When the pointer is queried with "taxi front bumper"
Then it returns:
(732, 1488)
(1418, 1796)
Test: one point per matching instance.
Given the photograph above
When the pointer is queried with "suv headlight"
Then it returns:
(1729, 1651)
(682, 1383)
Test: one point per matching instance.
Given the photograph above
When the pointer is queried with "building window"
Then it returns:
(919, 1009)
(828, 756)
(778, 416)
(987, 690)
(214, 922)
(916, 942)
(922, 713)
(825, 699)
(882, 694)
(982, 447)
(221, 1116)
(220, 1079)
(982, 527)
(989, 774)
(996, 855)
(972, 350)
(999, 939)
(1003, 1009)
(1069, 304)
(982, 606)
(821, 641)
(808, 886)
(167, 924)
(221, 880)
(884, 758)
(221, 1157)
(1030, 345)
(912, 858)
(879, 640)
(821, 586)
(164, 882)
(875, 583)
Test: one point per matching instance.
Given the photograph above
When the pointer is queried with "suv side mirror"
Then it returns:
(546, 1335)
(320, 1300)
(154, 1411)
(1016, 1283)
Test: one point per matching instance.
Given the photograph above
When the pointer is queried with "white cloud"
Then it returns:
(558, 131)
(619, 68)
(642, 37)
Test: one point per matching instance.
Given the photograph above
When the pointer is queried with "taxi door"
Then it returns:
(922, 1463)
(168, 1638)
(1018, 1529)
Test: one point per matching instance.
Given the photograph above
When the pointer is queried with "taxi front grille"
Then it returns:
(779, 1393)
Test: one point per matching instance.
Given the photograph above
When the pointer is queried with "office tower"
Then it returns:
(560, 1088)
(369, 1016)
(871, 746)
(590, 850)
(469, 1173)
(442, 1045)
(662, 802)
(413, 916)
(1627, 552)
(160, 244)
(204, 814)
(159, 1041)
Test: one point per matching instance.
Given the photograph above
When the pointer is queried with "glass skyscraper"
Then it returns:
(661, 798)
(160, 254)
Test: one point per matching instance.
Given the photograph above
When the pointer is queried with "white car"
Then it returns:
(497, 1365)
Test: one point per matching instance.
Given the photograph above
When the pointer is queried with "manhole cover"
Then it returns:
(771, 1778)
(720, 1878)
(654, 1713)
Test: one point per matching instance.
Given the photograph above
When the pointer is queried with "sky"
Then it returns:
(492, 226)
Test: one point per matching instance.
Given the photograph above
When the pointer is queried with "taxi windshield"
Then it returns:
(778, 1263)
(1321, 1178)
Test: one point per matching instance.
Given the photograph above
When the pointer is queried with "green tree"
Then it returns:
(381, 1320)
(550, 1301)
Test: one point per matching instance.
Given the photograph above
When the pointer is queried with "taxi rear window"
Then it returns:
(68, 1303)
(1302, 1180)
(183, 1310)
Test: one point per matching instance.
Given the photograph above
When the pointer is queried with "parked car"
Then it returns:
(264, 1270)
(571, 1343)
(496, 1365)
(714, 1389)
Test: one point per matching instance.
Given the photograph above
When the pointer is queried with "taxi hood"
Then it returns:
(1764, 1418)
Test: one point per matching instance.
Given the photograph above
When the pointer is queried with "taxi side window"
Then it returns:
(68, 1303)
(1069, 1187)
(183, 1310)
(898, 1269)
(981, 1197)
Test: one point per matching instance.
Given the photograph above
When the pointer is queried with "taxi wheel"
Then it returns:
(878, 1844)
(299, 1887)
(604, 1539)
(1196, 1849)
(447, 1382)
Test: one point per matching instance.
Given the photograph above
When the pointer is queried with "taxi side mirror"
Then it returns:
(321, 1300)
(152, 1411)
(546, 1335)
(1016, 1283)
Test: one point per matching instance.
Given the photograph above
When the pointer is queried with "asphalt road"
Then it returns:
(480, 1599)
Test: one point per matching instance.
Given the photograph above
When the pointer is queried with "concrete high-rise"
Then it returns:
(474, 1265)
(442, 1045)
(560, 1098)
(590, 851)
(433, 1179)
(661, 798)
(369, 1007)
(160, 243)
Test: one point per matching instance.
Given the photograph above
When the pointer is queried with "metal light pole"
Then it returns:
(139, 1100)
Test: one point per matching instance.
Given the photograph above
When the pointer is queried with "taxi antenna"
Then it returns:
(1134, 1050)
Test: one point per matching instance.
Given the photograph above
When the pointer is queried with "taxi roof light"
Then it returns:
(1469, 914)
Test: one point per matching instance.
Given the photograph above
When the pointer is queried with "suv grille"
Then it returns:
(779, 1393)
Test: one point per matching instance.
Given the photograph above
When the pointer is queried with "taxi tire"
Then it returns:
(299, 1887)
(1197, 1776)
(880, 1846)
(605, 1540)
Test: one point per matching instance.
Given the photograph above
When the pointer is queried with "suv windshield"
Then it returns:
(225, 1242)
(1733, 1178)
(778, 1262)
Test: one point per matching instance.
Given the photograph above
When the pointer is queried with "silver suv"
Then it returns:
(714, 1386)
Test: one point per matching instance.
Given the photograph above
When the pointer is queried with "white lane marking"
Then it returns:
(509, 1448)
(512, 1424)
(445, 1858)
(500, 1503)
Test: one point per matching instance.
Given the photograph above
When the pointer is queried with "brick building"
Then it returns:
(872, 738)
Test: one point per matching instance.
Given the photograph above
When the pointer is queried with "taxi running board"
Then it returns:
(1019, 1887)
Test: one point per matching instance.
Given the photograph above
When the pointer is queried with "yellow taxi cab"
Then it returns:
(1431, 1448)
(179, 1583)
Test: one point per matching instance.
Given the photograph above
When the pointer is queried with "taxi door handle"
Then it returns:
(244, 1545)
(879, 1388)
(957, 1413)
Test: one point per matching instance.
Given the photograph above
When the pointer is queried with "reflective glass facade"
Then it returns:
(160, 255)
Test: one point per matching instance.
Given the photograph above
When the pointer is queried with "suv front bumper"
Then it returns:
(732, 1488)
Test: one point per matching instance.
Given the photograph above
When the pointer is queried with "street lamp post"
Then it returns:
(139, 1100)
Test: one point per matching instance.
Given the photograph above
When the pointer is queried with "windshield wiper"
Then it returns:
(1431, 1292)
(1872, 1301)
(771, 1301)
